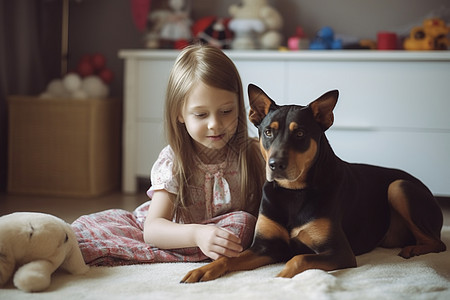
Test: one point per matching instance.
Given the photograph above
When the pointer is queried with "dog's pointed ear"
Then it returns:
(260, 104)
(322, 108)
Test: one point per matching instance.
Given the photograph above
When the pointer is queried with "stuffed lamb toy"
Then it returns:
(37, 244)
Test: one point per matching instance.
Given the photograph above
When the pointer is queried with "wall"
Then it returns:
(362, 18)
(106, 26)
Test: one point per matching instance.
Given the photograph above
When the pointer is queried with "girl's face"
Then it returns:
(210, 116)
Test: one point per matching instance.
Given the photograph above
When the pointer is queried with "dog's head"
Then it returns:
(290, 135)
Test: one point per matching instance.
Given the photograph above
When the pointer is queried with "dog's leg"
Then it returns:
(330, 244)
(420, 214)
(248, 260)
(271, 244)
(322, 261)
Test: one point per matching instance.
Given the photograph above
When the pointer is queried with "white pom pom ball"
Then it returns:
(56, 88)
(72, 82)
(94, 87)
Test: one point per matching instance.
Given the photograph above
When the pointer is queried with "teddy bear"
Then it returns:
(256, 25)
(34, 245)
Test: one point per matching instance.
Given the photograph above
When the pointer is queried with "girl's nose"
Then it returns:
(213, 122)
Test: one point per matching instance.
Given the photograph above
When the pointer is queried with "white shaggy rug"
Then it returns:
(380, 274)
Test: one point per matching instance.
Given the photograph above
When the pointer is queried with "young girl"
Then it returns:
(206, 184)
(210, 167)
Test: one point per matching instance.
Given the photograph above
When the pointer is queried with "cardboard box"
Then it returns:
(63, 147)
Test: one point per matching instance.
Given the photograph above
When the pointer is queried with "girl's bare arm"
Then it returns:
(160, 231)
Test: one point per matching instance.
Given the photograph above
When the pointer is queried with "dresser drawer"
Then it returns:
(377, 94)
(423, 154)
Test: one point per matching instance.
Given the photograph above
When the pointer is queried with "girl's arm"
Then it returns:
(160, 231)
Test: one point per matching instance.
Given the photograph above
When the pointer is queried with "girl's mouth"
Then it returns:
(216, 137)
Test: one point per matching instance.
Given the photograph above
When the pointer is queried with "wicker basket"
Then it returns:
(63, 147)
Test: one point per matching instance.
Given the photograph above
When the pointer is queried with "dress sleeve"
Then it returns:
(162, 176)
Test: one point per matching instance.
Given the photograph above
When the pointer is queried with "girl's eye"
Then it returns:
(227, 111)
(268, 132)
(200, 115)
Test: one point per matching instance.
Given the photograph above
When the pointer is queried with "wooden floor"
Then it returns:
(71, 208)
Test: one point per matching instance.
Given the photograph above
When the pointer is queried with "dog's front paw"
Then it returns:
(292, 267)
(287, 273)
(206, 273)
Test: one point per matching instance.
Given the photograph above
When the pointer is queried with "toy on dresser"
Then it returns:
(256, 25)
(214, 31)
(325, 40)
(170, 28)
(432, 35)
(37, 244)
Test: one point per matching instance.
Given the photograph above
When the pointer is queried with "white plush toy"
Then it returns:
(256, 25)
(37, 244)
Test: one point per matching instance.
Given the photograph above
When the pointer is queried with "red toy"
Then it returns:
(213, 31)
(94, 64)
(98, 61)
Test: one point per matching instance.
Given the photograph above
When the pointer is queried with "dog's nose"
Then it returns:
(277, 164)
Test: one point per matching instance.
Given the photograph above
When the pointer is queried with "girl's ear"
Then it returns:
(180, 119)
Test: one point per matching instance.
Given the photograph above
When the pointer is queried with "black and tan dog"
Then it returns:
(318, 211)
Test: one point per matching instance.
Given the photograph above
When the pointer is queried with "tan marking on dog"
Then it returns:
(264, 152)
(270, 229)
(314, 233)
(274, 125)
(298, 167)
(293, 126)
(401, 222)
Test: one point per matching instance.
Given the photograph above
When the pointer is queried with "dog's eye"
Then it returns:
(268, 132)
(300, 133)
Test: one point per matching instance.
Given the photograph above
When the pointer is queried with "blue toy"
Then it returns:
(325, 40)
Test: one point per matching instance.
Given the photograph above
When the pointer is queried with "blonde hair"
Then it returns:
(209, 65)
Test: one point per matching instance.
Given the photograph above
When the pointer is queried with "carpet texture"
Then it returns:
(380, 274)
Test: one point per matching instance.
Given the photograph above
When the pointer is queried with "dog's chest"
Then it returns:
(289, 208)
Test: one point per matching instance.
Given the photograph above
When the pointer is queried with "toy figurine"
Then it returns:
(299, 41)
(177, 26)
(432, 35)
(214, 31)
(256, 24)
(170, 28)
(325, 40)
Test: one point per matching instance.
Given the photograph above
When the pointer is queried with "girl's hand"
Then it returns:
(216, 242)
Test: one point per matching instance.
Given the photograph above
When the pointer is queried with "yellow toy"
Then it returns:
(432, 35)
(37, 244)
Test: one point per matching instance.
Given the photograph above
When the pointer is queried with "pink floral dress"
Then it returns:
(215, 188)
(115, 237)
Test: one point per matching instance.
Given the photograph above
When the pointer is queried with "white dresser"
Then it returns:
(393, 108)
